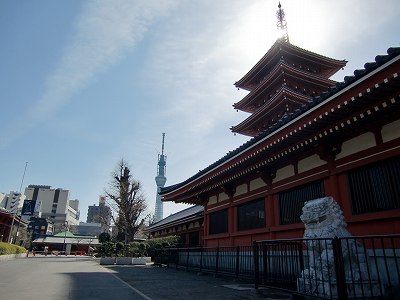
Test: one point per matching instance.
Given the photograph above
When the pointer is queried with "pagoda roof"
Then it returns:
(271, 109)
(281, 71)
(250, 149)
(279, 49)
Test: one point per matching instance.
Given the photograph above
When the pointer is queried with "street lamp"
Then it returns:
(10, 235)
(65, 236)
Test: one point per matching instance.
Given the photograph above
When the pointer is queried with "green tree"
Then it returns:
(128, 201)
(104, 237)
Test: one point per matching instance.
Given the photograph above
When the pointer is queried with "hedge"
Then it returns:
(6, 248)
(136, 249)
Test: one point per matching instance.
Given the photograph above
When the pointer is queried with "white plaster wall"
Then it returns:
(357, 144)
(223, 197)
(212, 200)
(241, 189)
(256, 184)
(309, 163)
(284, 173)
(391, 131)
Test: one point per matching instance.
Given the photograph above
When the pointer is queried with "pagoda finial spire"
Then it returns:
(281, 25)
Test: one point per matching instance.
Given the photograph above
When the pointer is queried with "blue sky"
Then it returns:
(86, 83)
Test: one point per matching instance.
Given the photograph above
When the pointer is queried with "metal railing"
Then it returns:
(366, 267)
(234, 261)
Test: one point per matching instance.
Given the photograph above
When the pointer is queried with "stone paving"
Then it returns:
(82, 278)
(168, 283)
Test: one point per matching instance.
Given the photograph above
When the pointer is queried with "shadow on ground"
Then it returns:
(168, 283)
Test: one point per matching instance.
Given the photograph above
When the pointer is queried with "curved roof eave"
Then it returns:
(242, 83)
(370, 68)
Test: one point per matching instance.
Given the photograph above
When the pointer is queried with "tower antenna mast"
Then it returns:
(281, 24)
(162, 147)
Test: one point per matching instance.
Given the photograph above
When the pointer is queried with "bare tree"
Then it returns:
(128, 201)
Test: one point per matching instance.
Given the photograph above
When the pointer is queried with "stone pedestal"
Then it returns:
(324, 288)
(107, 260)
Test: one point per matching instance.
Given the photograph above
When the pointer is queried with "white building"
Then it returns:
(55, 205)
(13, 201)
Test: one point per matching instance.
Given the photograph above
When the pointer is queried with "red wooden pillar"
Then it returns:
(270, 213)
(205, 226)
(187, 242)
(231, 223)
(344, 195)
(332, 188)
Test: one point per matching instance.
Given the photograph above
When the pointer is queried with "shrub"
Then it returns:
(132, 249)
(167, 241)
(106, 249)
(6, 248)
(119, 249)
(159, 243)
(143, 249)
(137, 249)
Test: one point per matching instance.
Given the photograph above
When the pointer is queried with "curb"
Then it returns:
(11, 256)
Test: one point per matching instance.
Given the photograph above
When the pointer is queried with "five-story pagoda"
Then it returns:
(285, 78)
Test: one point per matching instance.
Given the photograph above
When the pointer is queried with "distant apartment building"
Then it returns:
(89, 229)
(55, 205)
(100, 214)
(12, 202)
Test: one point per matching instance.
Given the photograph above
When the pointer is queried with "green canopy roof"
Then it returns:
(69, 238)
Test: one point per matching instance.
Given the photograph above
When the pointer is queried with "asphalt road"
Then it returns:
(60, 278)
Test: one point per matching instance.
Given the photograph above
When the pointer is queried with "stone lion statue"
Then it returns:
(323, 221)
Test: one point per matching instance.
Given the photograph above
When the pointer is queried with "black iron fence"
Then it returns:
(339, 268)
(365, 267)
(231, 261)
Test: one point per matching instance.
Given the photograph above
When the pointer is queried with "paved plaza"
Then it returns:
(73, 278)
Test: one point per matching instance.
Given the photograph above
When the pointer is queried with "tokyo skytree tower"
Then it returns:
(160, 181)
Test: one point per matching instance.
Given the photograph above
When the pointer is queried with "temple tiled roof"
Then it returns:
(68, 238)
(188, 213)
(380, 60)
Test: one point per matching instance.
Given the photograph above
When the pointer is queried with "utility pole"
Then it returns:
(16, 211)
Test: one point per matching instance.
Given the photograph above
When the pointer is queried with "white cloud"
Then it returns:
(195, 62)
(105, 32)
